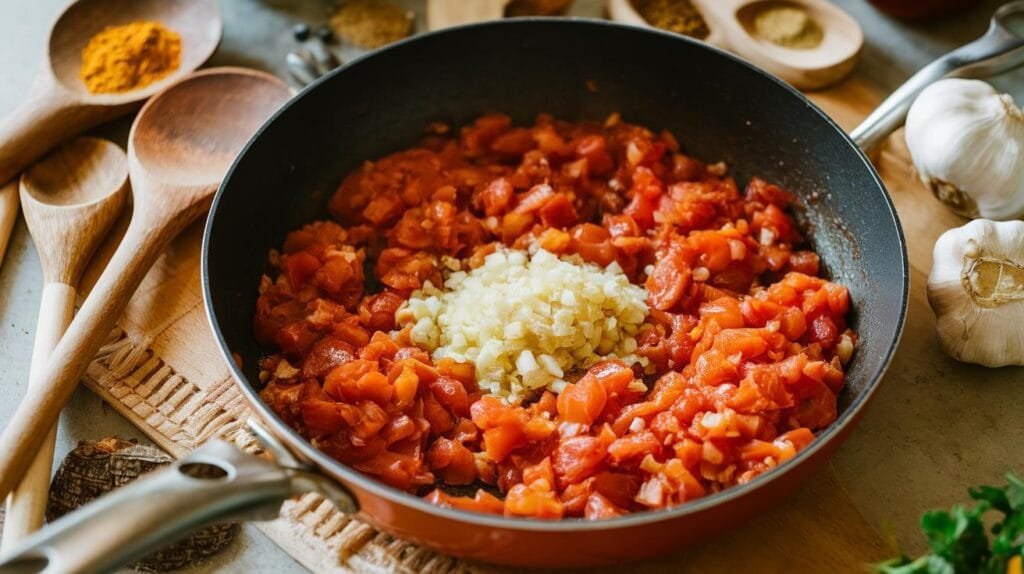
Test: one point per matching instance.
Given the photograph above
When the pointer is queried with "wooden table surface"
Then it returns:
(934, 428)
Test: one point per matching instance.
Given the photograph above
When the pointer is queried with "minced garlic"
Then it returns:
(526, 322)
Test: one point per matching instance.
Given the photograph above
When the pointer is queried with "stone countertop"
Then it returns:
(893, 466)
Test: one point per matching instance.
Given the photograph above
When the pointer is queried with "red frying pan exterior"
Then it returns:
(718, 106)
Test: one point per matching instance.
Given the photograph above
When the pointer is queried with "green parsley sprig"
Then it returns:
(959, 543)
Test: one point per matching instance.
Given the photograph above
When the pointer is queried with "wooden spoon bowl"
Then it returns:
(70, 199)
(189, 136)
(79, 173)
(809, 68)
(197, 22)
(60, 106)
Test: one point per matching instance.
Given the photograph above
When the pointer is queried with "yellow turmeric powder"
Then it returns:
(123, 58)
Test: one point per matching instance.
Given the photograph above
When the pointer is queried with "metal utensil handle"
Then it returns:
(997, 51)
(214, 483)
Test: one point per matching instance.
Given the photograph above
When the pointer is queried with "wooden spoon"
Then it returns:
(624, 11)
(180, 147)
(807, 69)
(71, 198)
(59, 106)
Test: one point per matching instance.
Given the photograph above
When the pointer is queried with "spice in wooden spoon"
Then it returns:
(371, 23)
(679, 16)
(787, 25)
(128, 57)
(60, 105)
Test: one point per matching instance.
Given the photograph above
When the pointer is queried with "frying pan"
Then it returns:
(720, 107)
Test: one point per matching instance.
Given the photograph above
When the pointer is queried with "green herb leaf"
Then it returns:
(958, 536)
(1015, 493)
(958, 541)
(994, 496)
(1009, 539)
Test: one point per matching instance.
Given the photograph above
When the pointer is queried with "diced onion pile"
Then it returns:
(527, 321)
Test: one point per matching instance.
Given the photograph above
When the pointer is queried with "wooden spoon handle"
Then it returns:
(26, 505)
(9, 203)
(48, 116)
(143, 242)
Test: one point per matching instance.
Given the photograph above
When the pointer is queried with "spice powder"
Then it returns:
(371, 23)
(679, 16)
(788, 26)
(128, 57)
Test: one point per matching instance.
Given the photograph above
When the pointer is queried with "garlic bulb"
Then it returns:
(967, 143)
(976, 289)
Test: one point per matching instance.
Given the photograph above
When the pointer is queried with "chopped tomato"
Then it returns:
(299, 267)
(523, 500)
(453, 461)
(496, 196)
(740, 360)
(668, 282)
(481, 502)
(579, 457)
(583, 401)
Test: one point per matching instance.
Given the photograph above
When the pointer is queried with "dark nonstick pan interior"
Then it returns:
(718, 107)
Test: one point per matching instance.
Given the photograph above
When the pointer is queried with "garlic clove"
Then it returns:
(976, 289)
(967, 144)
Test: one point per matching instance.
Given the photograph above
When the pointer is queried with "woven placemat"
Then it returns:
(179, 416)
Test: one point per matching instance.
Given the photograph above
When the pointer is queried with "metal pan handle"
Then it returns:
(216, 482)
(999, 50)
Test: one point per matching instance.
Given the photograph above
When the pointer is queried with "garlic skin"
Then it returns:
(967, 143)
(976, 289)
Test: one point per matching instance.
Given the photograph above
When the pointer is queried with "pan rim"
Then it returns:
(345, 474)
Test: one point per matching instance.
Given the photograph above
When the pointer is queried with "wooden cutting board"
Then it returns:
(162, 371)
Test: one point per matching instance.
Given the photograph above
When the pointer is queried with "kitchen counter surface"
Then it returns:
(909, 454)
